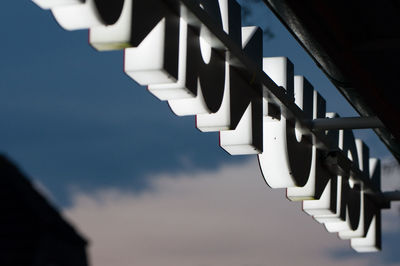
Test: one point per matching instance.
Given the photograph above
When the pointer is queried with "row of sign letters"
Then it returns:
(168, 49)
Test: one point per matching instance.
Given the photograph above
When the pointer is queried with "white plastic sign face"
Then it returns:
(293, 159)
(172, 52)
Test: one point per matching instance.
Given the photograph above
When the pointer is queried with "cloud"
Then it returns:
(391, 182)
(390, 174)
(224, 217)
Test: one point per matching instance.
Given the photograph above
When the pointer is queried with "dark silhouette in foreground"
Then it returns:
(32, 232)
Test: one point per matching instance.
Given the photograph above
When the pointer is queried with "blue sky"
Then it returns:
(73, 119)
(75, 122)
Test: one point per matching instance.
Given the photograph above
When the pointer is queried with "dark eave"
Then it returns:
(357, 45)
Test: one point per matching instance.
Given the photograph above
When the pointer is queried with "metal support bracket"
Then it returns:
(392, 195)
(346, 123)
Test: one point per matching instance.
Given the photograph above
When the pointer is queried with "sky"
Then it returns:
(145, 186)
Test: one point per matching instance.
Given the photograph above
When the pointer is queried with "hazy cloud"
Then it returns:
(390, 174)
(227, 217)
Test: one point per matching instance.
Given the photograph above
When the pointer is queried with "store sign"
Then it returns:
(179, 49)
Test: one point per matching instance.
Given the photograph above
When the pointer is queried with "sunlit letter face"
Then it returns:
(363, 156)
(137, 19)
(204, 66)
(151, 26)
(289, 164)
(371, 240)
(155, 34)
(121, 23)
(346, 142)
(155, 60)
(327, 185)
(319, 176)
(47, 4)
(185, 87)
(205, 77)
(349, 216)
(245, 102)
(80, 15)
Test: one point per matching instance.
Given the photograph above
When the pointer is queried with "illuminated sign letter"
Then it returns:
(327, 190)
(290, 163)
(246, 102)
(371, 240)
(196, 55)
(348, 215)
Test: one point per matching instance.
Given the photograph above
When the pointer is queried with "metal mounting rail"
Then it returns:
(277, 95)
(347, 123)
(392, 195)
